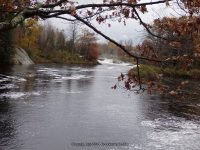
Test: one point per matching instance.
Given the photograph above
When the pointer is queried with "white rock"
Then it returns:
(21, 57)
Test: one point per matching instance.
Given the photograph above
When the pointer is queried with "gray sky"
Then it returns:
(118, 31)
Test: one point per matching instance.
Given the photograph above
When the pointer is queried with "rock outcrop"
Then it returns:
(21, 57)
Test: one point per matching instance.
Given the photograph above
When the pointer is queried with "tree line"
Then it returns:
(47, 43)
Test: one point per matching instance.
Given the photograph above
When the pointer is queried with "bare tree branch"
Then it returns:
(53, 5)
(145, 26)
(41, 11)
(120, 4)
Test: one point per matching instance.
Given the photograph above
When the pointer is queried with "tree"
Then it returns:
(181, 44)
(112, 49)
(6, 48)
(31, 34)
(73, 36)
(88, 45)
(60, 40)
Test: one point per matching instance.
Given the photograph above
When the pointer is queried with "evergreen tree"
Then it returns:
(6, 49)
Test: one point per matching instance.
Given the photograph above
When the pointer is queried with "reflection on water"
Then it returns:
(7, 129)
(48, 107)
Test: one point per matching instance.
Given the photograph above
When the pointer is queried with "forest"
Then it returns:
(46, 44)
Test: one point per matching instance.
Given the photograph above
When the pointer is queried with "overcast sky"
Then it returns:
(118, 31)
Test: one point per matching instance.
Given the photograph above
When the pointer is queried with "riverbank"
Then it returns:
(177, 84)
(55, 57)
(151, 71)
(61, 57)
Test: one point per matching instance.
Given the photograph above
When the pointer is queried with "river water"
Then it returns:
(59, 107)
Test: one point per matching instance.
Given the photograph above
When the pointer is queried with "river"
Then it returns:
(59, 107)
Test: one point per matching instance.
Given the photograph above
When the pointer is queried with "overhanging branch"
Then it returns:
(119, 4)
(114, 42)
(43, 11)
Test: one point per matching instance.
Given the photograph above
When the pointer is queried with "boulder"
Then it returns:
(21, 57)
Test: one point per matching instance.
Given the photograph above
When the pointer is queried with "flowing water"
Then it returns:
(58, 107)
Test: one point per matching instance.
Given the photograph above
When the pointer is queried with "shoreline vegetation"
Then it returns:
(56, 57)
(151, 71)
(47, 44)
(62, 57)
(44, 43)
(181, 84)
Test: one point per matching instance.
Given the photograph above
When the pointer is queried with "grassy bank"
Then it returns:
(60, 57)
(127, 59)
(151, 71)
(178, 84)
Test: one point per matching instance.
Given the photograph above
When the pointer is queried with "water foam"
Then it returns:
(171, 122)
(17, 95)
(106, 61)
(8, 86)
(5, 78)
(49, 72)
(73, 92)
(172, 133)
(114, 62)
(75, 77)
